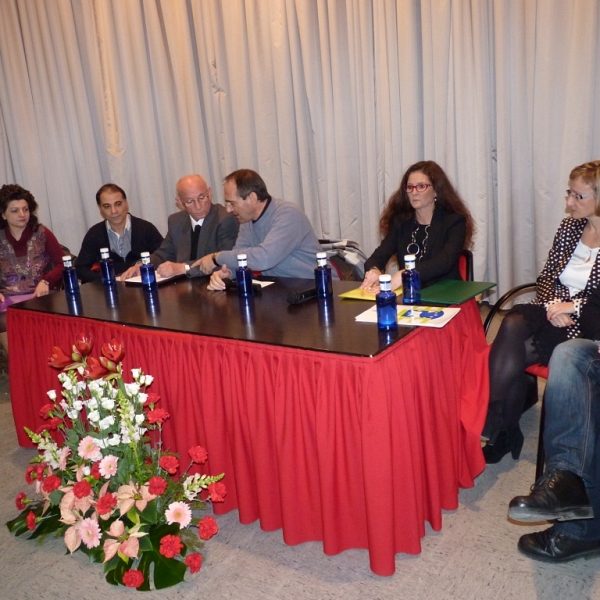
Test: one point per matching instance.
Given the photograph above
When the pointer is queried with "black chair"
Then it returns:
(532, 372)
(465, 265)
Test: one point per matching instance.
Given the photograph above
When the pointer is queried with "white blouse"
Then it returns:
(578, 269)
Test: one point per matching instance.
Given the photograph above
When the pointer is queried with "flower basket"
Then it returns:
(103, 481)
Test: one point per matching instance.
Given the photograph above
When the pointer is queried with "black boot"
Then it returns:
(508, 440)
(558, 495)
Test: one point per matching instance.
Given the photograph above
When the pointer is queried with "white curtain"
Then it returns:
(329, 100)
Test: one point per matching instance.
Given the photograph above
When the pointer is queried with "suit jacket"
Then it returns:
(445, 243)
(219, 232)
(144, 238)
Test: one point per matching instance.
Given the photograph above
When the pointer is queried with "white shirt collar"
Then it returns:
(198, 222)
(127, 226)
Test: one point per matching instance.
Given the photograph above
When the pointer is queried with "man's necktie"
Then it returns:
(195, 236)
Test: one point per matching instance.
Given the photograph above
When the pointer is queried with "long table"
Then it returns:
(324, 428)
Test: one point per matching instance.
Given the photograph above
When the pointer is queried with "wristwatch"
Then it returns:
(187, 268)
(214, 258)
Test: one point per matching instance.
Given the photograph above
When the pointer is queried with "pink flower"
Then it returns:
(108, 466)
(194, 562)
(207, 527)
(130, 495)
(170, 546)
(64, 453)
(198, 454)
(178, 512)
(133, 578)
(88, 449)
(89, 530)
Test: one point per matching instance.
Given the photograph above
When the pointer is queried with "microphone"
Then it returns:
(302, 296)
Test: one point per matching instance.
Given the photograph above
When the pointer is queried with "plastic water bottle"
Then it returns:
(411, 281)
(243, 276)
(387, 312)
(147, 273)
(323, 277)
(107, 267)
(70, 281)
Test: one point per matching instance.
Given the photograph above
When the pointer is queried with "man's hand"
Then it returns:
(131, 272)
(168, 269)
(205, 264)
(216, 279)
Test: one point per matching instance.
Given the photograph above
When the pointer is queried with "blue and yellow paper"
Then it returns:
(422, 316)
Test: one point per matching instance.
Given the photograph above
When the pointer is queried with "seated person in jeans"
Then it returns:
(123, 234)
(569, 490)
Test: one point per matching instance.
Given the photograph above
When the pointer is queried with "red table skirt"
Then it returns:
(356, 452)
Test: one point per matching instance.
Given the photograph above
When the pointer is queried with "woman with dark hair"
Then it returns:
(30, 255)
(426, 217)
(530, 332)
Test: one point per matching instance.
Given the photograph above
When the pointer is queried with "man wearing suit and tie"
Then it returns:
(201, 228)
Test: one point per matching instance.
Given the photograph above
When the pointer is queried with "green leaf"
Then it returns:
(150, 513)
(167, 571)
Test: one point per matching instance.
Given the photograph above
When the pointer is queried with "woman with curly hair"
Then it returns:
(426, 217)
(30, 255)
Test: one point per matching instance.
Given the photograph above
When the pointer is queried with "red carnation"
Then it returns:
(46, 410)
(207, 527)
(106, 504)
(113, 350)
(152, 398)
(82, 489)
(157, 486)
(95, 470)
(170, 546)
(31, 520)
(58, 359)
(194, 562)
(217, 491)
(169, 463)
(133, 578)
(198, 454)
(83, 344)
(158, 415)
(19, 500)
(51, 483)
(54, 422)
(29, 474)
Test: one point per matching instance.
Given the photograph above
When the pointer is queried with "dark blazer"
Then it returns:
(219, 232)
(144, 238)
(444, 246)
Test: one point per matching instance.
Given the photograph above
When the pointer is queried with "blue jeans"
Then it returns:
(572, 430)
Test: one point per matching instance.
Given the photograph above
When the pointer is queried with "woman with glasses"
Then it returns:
(426, 217)
(530, 332)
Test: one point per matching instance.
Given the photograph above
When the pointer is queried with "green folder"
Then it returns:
(453, 291)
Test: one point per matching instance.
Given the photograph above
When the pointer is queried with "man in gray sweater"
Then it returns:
(276, 236)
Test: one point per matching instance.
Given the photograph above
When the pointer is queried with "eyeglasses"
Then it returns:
(198, 200)
(578, 196)
(420, 187)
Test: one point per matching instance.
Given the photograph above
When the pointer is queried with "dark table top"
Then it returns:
(187, 306)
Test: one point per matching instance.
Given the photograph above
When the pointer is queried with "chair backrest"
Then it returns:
(465, 265)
